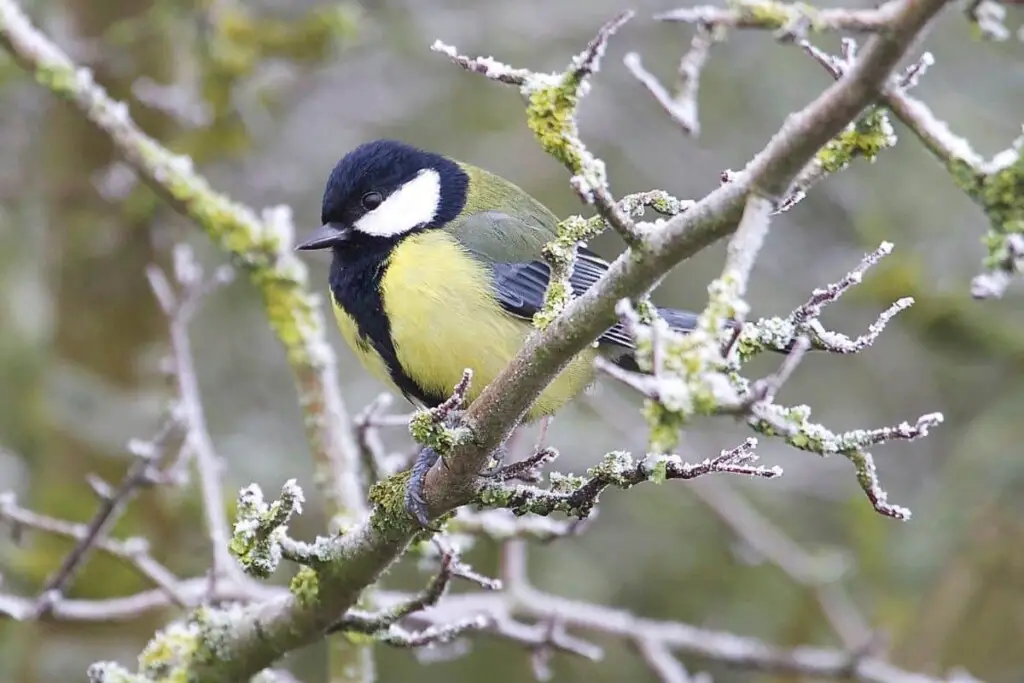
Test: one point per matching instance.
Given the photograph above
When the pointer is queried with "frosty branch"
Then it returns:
(163, 460)
(766, 182)
(235, 642)
(259, 244)
(995, 185)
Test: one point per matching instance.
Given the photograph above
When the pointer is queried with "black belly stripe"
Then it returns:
(355, 286)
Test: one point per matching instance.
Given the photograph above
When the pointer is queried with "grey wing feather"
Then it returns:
(511, 248)
(520, 288)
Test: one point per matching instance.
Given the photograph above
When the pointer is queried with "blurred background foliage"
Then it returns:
(267, 95)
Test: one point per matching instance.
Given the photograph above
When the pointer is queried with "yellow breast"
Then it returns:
(444, 319)
(362, 349)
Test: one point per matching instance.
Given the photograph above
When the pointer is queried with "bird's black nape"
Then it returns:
(384, 166)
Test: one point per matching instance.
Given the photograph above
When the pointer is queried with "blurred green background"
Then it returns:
(266, 96)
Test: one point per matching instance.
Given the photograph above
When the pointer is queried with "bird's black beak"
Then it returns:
(325, 237)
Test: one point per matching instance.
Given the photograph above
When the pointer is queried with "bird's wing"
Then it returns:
(510, 247)
(520, 288)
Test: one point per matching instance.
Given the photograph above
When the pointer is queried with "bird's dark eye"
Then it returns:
(371, 200)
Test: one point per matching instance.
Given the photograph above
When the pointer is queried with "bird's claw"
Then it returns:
(415, 502)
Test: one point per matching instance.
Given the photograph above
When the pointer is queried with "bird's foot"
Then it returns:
(415, 502)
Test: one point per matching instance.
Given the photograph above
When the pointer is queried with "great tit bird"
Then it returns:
(437, 267)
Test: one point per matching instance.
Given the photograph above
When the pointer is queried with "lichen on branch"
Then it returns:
(261, 526)
(260, 244)
(238, 642)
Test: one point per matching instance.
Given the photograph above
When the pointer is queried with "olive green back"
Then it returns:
(501, 222)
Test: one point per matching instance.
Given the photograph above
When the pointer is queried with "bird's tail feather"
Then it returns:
(680, 321)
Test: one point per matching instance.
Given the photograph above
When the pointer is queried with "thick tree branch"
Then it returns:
(234, 643)
(502, 404)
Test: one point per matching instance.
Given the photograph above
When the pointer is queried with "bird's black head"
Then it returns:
(383, 191)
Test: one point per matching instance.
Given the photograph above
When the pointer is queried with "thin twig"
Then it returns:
(178, 311)
(450, 567)
(590, 182)
(486, 66)
(780, 333)
(621, 470)
(190, 592)
(767, 388)
(90, 537)
(681, 107)
(663, 663)
(746, 242)
(371, 448)
(112, 505)
(732, 650)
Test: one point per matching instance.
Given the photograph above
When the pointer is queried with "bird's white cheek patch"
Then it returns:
(411, 205)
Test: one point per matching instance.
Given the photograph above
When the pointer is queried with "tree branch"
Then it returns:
(502, 404)
(739, 652)
(190, 593)
(179, 308)
(681, 107)
(89, 537)
(993, 185)
(658, 642)
(773, 15)
(261, 246)
(235, 642)
(153, 464)
(578, 496)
